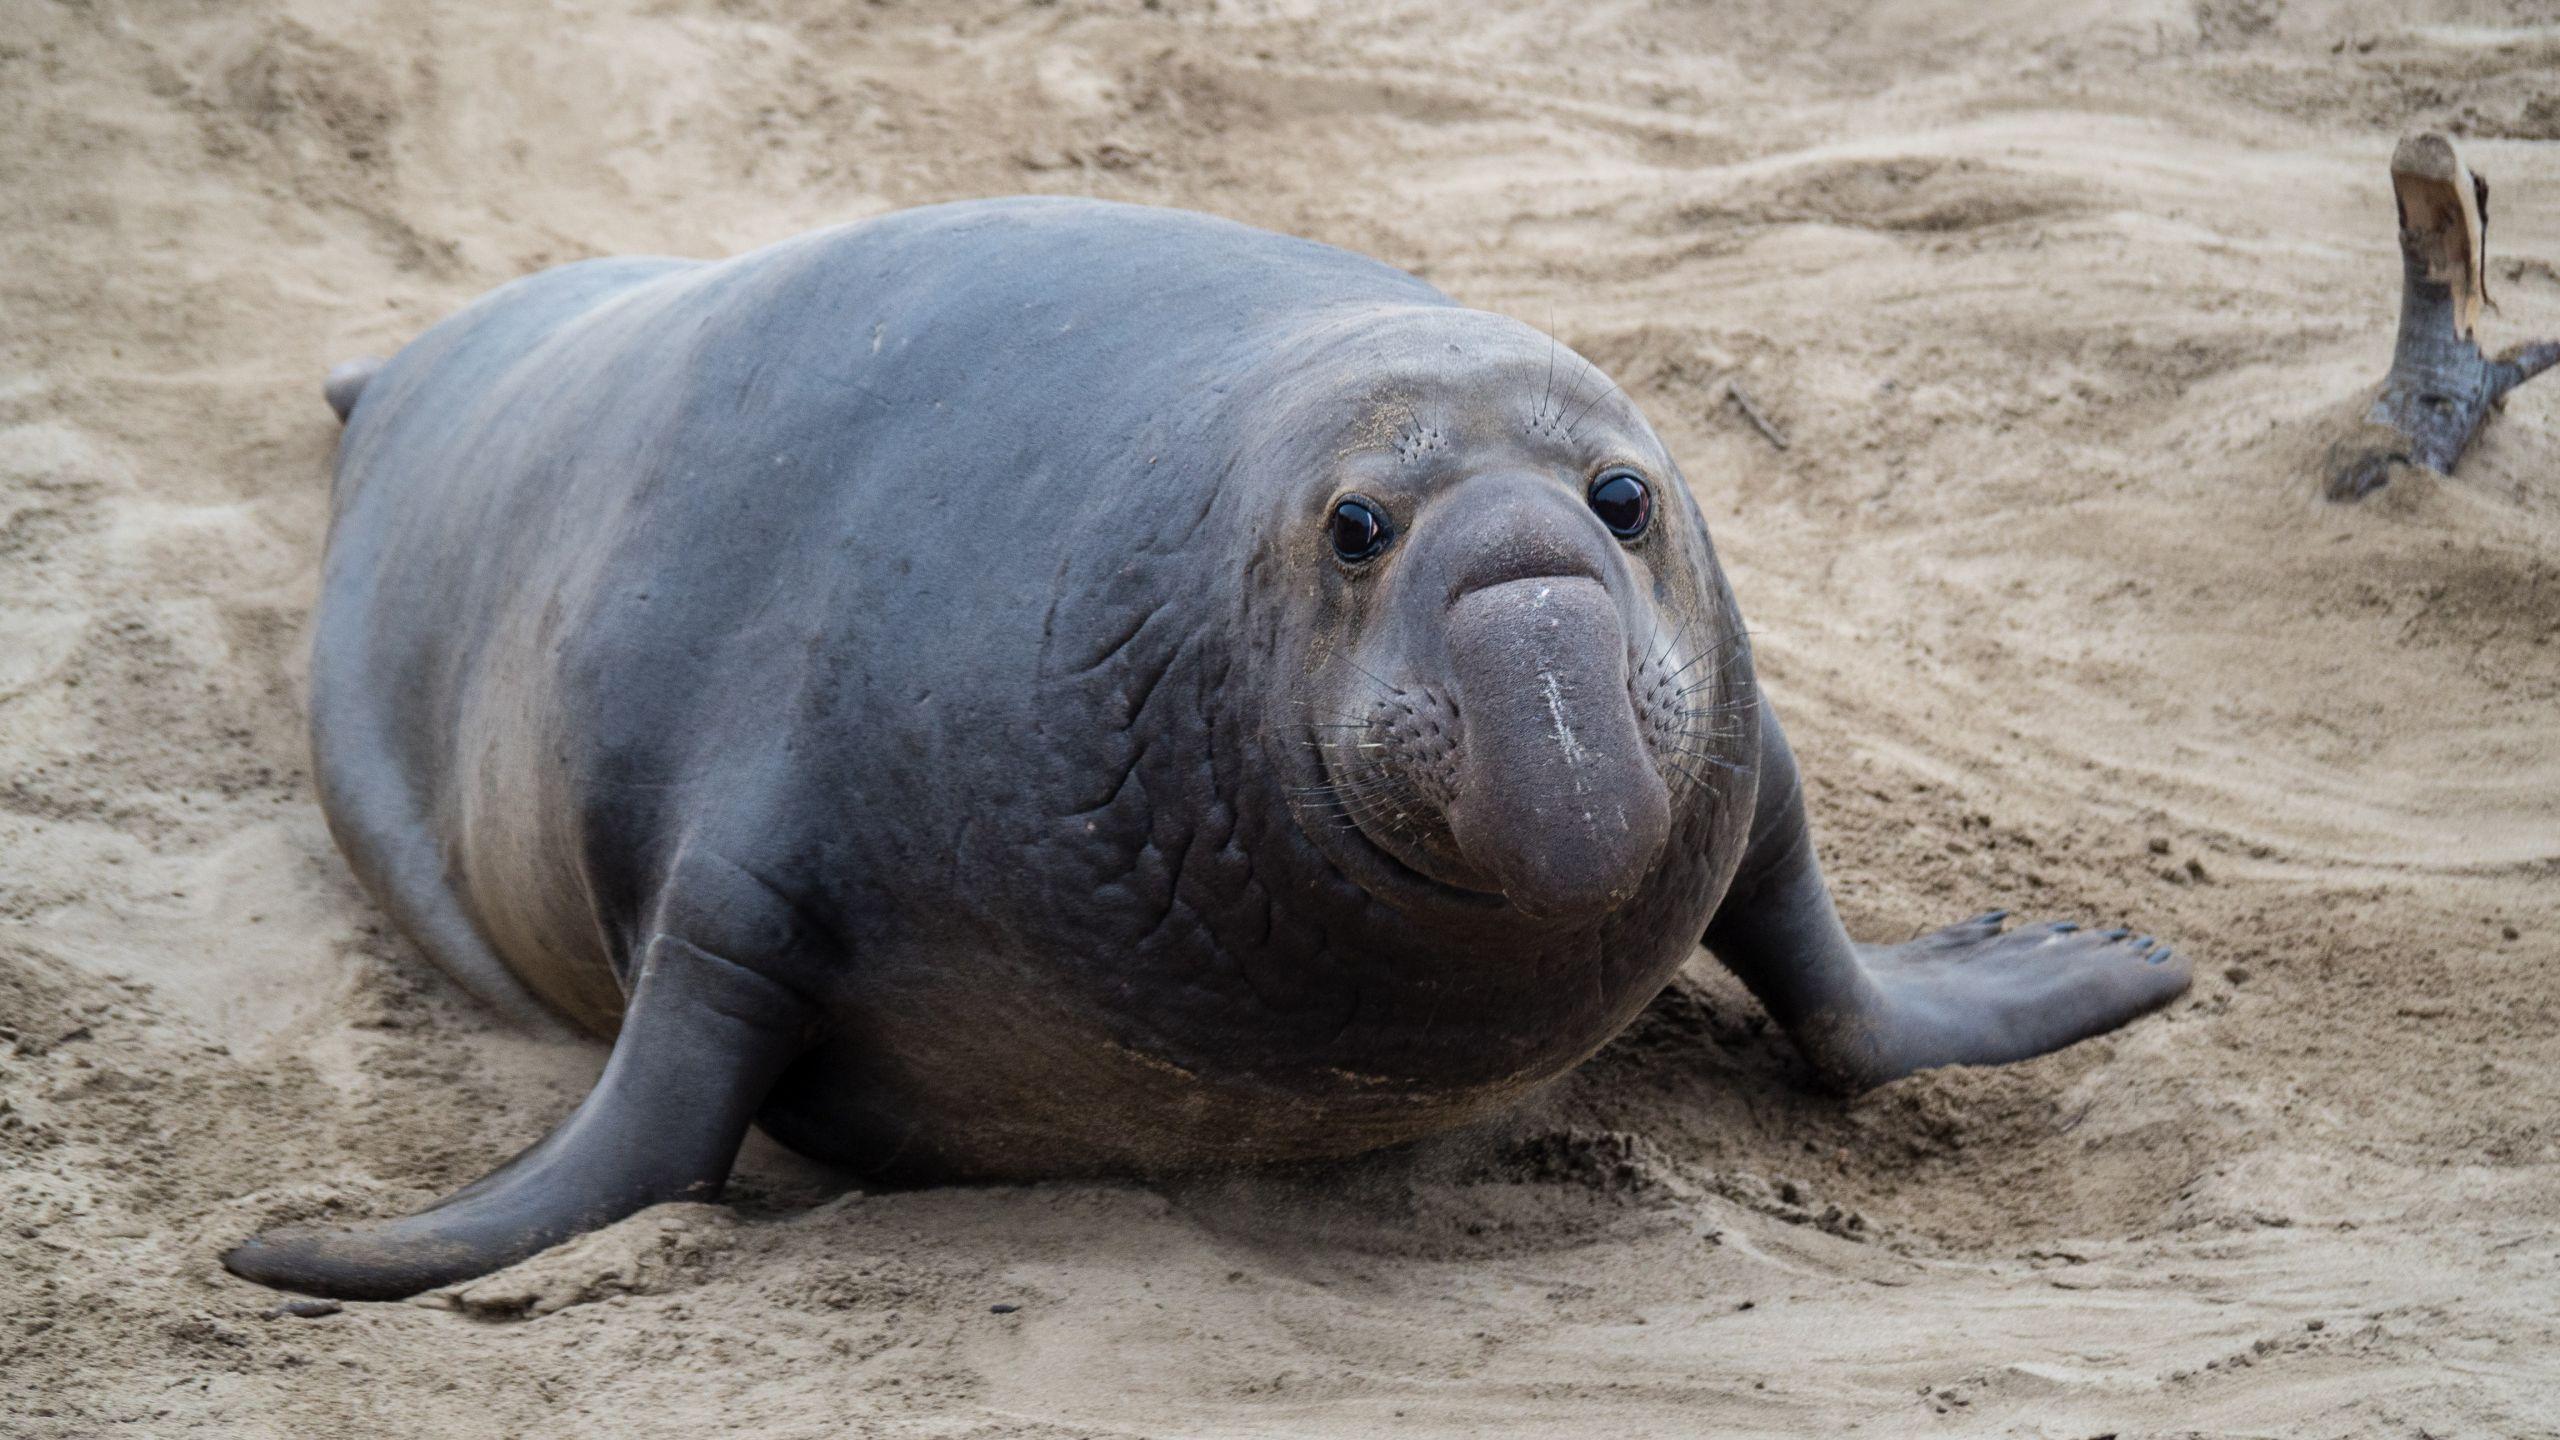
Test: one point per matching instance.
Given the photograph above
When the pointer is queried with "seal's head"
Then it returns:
(1522, 663)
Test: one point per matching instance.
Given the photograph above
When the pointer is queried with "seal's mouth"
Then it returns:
(1406, 882)
(1382, 809)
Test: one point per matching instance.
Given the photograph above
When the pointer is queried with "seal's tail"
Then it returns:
(347, 381)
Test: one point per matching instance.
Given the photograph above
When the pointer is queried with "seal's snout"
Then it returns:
(1556, 799)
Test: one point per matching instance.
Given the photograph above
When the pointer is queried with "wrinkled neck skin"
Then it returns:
(1507, 764)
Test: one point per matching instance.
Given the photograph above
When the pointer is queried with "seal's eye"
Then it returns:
(1623, 503)
(1360, 530)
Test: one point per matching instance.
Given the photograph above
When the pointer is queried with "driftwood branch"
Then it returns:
(1750, 409)
(2440, 387)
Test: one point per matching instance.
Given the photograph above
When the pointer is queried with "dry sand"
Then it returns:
(2054, 302)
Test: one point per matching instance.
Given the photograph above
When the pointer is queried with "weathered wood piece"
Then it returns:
(2440, 387)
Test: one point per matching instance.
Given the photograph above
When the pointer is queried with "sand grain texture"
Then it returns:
(2054, 303)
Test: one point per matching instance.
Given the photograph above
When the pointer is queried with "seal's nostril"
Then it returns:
(1494, 528)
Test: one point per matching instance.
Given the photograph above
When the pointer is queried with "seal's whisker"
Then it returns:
(1353, 799)
(1346, 812)
(1329, 716)
(1727, 643)
(1720, 673)
(1575, 393)
(1690, 749)
(1390, 691)
(1381, 812)
(1368, 777)
(1372, 783)
(1593, 403)
(1548, 389)
(1671, 646)
(1708, 742)
(1685, 773)
(1352, 785)
(1735, 705)
(1353, 788)
(1703, 758)
(1706, 739)
(1376, 800)
(1693, 662)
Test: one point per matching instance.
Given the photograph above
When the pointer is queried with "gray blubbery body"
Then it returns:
(895, 681)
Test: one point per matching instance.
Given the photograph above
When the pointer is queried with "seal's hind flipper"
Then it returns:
(347, 381)
(702, 1041)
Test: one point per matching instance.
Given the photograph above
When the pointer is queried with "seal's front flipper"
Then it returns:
(702, 1041)
(1970, 994)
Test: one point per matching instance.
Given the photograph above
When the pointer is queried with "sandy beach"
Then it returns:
(2053, 307)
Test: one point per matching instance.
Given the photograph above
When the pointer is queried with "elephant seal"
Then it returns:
(1039, 688)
